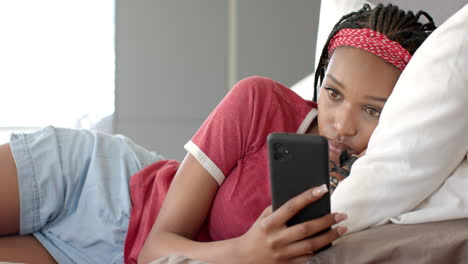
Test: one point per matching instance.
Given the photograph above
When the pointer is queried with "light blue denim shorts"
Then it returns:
(74, 191)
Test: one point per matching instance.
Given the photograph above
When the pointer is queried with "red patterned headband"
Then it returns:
(373, 42)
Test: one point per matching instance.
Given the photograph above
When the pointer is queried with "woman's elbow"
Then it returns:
(148, 253)
(142, 258)
(147, 256)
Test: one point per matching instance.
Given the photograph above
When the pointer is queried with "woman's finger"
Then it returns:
(304, 230)
(313, 244)
(279, 217)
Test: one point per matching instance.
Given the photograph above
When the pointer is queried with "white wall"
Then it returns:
(176, 59)
(170, 57)
(277, 38)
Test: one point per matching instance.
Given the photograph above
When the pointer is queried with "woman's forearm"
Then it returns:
(164, 243)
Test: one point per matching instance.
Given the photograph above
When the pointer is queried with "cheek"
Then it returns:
(366, 129)
(324, 117)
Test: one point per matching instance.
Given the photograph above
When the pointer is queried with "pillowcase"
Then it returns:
(415, 168)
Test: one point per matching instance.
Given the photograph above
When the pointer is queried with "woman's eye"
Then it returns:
(333, 94)
(372, 112)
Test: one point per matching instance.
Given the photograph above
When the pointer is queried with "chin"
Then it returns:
(333, 157)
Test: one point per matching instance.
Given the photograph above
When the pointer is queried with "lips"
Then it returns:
(337, 148)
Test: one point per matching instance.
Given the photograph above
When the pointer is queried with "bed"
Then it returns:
(437, 242)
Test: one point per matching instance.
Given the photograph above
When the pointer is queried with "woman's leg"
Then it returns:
(84, 172)
(15, 248)
(9, 193)
(24, 249)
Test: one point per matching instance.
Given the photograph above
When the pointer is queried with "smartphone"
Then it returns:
(298, 162)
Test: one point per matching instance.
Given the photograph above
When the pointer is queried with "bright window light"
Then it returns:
(56, 63)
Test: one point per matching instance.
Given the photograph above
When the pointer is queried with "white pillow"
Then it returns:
(415, 169)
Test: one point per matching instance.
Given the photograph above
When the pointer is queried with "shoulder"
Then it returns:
(263, 89)
(259, 84)
(269, 90)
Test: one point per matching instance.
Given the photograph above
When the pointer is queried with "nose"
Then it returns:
(344, 124)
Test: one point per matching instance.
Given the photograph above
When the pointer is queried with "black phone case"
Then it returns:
(297, 163)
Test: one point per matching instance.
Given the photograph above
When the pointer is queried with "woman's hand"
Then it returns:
(269, 240)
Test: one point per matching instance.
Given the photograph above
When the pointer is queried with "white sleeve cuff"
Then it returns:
(205, 161)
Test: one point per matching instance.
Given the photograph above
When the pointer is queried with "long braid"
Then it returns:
(398, 25)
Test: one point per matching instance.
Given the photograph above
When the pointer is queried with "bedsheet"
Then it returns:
(427, 243)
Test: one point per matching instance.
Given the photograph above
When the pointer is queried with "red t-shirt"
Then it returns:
(231, 146)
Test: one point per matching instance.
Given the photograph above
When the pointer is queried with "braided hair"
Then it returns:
(396, 24)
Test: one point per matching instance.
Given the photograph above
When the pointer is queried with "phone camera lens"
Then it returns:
(278, 156)
(277, 147)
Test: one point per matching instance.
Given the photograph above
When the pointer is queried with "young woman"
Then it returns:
(83, 195)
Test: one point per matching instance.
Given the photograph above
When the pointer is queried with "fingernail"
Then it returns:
(340, 217)
(341, 230)
(320, 190)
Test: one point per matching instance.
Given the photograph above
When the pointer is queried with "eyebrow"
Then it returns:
(375, 98)
(370, 97)
(335, 80)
